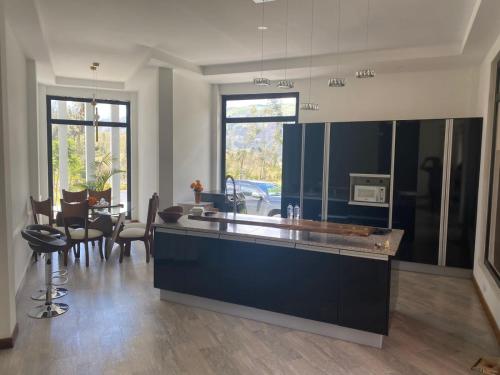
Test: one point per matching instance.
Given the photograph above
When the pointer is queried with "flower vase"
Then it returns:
(197, 197)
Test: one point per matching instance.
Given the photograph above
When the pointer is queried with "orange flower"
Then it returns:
(197, 186)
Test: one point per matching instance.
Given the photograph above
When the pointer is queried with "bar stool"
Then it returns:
(46, 240)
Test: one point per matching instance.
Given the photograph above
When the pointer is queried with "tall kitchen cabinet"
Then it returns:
(436, 178)
(463, 181)
(361, 148)
(291, 177)
(418, 177)
(314, 139)
(433, 166)
(302, 173)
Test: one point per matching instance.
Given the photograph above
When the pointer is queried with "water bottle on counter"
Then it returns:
(296, 212)
(289, 211)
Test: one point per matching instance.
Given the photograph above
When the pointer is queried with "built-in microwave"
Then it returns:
(369, 193)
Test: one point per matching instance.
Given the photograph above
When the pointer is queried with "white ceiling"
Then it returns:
(219, 38)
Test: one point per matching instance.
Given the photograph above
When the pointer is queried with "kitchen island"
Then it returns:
(334, 285)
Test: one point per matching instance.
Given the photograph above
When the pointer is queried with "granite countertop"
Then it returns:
(379, 245)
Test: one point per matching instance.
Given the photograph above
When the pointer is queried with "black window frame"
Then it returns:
(51, 121)
(235, 120)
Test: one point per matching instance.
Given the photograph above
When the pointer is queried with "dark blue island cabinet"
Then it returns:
(325, 287)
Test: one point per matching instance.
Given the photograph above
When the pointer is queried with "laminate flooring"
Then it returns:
(118, 325)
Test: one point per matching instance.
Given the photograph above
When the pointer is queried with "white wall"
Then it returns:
(145, 84)
(174, 134)
(486, 93)
(397, 96)
(192, 134)
(17, 157)
(165, 136)
(7, 273)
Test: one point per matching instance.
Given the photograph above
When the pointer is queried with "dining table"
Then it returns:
(101, 218)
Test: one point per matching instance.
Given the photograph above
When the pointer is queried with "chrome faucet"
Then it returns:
(229, 177)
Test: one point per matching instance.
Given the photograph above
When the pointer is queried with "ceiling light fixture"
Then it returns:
(336, 81)
(261, 27)
(262, 81)
(286, 83)
(367, 72)
(310, 106)
(93, 103)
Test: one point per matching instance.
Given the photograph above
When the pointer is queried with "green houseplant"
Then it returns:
(103, 171)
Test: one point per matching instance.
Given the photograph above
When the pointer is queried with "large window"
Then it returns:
(252, 145)
(77, 160)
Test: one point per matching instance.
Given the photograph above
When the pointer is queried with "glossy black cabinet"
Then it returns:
(364, 294)
(418, 177)
(313, 171)
(291, 167)
(463, 190)
(358, 147)
(315, 286)
(352, 292)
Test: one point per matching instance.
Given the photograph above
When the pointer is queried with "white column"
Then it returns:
(89, 144)
(63, 148)
(7, 277)
(115, 155)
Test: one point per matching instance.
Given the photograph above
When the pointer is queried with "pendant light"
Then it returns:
(310, 106)
(95, 111)
(286, 83)
(337, 81)
(262, 81)
(367, 72)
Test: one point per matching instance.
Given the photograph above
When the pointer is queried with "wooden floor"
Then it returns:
(118, 325)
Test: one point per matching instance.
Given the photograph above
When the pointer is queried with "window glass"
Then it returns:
(77, 110)
(79, 160)
(254, 159)
(67, 110)
(265, 107)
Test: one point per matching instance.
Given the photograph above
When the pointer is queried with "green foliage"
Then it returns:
(254, 151)
(103, 171)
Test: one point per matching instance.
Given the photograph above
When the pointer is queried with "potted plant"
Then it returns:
(197, 188)
(103, 171)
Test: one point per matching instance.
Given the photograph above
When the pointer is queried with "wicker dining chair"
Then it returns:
(106, 194)
(156, 199)
(129, 235)
(74, 196)
(77, 215)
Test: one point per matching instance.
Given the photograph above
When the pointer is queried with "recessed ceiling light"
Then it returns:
(262, 27)
(262, 1)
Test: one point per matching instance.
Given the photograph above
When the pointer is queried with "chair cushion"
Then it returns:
(79, 234)
(135, 225)
(132, 233)
(60, 229)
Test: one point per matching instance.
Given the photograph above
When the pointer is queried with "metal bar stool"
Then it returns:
(46, 240)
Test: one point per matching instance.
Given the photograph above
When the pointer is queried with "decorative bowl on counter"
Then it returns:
(171, 214)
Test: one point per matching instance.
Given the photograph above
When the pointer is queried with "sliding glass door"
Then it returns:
(81, 156)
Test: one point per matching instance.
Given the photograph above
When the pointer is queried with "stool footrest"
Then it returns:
(41, 294)
(50, 310)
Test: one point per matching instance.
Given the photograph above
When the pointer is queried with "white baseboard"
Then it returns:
(282, 320)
